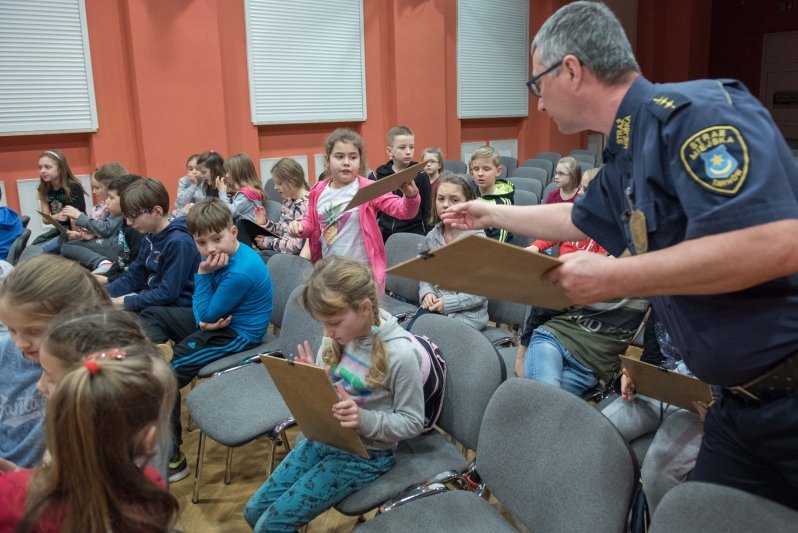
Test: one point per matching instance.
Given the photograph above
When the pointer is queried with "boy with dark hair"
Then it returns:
(400, 149)
(232, 306)
(10, 228)
(162, 274)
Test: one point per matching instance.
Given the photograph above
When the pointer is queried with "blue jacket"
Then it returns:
(163, 272)
(10, 229)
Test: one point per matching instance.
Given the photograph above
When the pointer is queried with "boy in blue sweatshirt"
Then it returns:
(163, 272)
(232, 306)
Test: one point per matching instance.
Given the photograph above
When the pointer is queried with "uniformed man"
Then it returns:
(700, 186)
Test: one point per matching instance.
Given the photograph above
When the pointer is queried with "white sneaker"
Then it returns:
(103, 267)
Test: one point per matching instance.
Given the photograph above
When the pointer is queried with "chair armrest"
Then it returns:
(415, 494)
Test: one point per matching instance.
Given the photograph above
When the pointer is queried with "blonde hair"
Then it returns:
(337, 284)
(46, 285)
(345, 135)
(290, 172)
(574, 171)
(95, 425)
(209, 215)
(487, 152)
(64, 174)
(243, 174)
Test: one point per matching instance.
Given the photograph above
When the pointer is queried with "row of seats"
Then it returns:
(543, 160)
(584, 483)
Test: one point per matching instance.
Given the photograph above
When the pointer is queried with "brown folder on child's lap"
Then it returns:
(56, 224)
(385, 185)
(309, 395)
(666, 385)
(486, 267)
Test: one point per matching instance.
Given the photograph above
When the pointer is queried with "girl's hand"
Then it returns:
(428, 300)
(213, 263)
(295, 228)
(260, 215)
(193, 179)
(261, 241)
(61, 217)
(118, 302)
(409, 189)
(627, 387)
(70, 211)
(221, 186)
(346, 411)
(305, 354)
(187, 208)
(73, 235)
(437, 307)
(533, 248)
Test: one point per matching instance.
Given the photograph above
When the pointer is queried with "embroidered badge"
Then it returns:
(717, 158)
(623, 127)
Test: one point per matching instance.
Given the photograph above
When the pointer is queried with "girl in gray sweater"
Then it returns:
(376, 367)
(473, 310)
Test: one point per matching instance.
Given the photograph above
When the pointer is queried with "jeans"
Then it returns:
(313, 478)
(547, 360)
(52, 246)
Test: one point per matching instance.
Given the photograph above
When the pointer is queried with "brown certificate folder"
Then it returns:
(666, 385)
(56, 224)
(385, 185)
(486, 267)
(309, 395)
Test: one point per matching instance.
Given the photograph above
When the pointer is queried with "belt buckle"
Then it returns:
(745, 393)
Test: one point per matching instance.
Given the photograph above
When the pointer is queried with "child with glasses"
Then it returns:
(163, 271)
(567, 177)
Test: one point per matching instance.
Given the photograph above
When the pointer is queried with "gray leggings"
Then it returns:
(90, 253)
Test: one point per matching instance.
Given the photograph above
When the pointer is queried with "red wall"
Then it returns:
(171, 79)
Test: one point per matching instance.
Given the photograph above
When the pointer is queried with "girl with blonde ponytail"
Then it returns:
(376, 367)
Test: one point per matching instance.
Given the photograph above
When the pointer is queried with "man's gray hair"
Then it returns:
(591, 32)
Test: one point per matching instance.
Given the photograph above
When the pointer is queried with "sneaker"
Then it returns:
(103, 267)
(178, 468)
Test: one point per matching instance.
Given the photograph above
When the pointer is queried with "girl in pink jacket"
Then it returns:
(353, 233)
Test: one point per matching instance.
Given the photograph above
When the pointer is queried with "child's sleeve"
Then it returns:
(106, 228)
(286, 243)
(210, 305)
(180, 260)
(400, 207)
(185, 192)
(455, 302)
(425, 287)
(406, 419)
(543, 245)
(239, 205)
(132, 280)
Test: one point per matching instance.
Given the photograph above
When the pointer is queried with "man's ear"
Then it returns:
(573, 67)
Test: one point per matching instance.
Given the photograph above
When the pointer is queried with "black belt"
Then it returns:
(779, 382)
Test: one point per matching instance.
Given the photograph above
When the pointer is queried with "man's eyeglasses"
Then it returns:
(534, 83)
(132, 218)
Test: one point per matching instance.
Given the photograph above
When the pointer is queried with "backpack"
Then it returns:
(434, 375)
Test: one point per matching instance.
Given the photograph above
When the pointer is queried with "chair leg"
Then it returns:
(228, 467)
(190, 425)
(197, 470)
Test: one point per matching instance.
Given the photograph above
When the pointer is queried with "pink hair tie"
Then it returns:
(92, 367)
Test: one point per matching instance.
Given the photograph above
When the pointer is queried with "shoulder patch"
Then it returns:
(663, 105)
(717, 159)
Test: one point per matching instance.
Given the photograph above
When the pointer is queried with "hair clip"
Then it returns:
(375, 330)
(92, 367)
(113, 353)
(53, 154)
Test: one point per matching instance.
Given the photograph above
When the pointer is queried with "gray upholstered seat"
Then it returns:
(474, 371)
(711, 508)
(401, 247)
(551, 459)
(241, 403)
(545, 164)
(527, 184)
(554, 157)
(271, 192)
(16, 248)
(501, 312)
(456, 166)
(525, 198)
